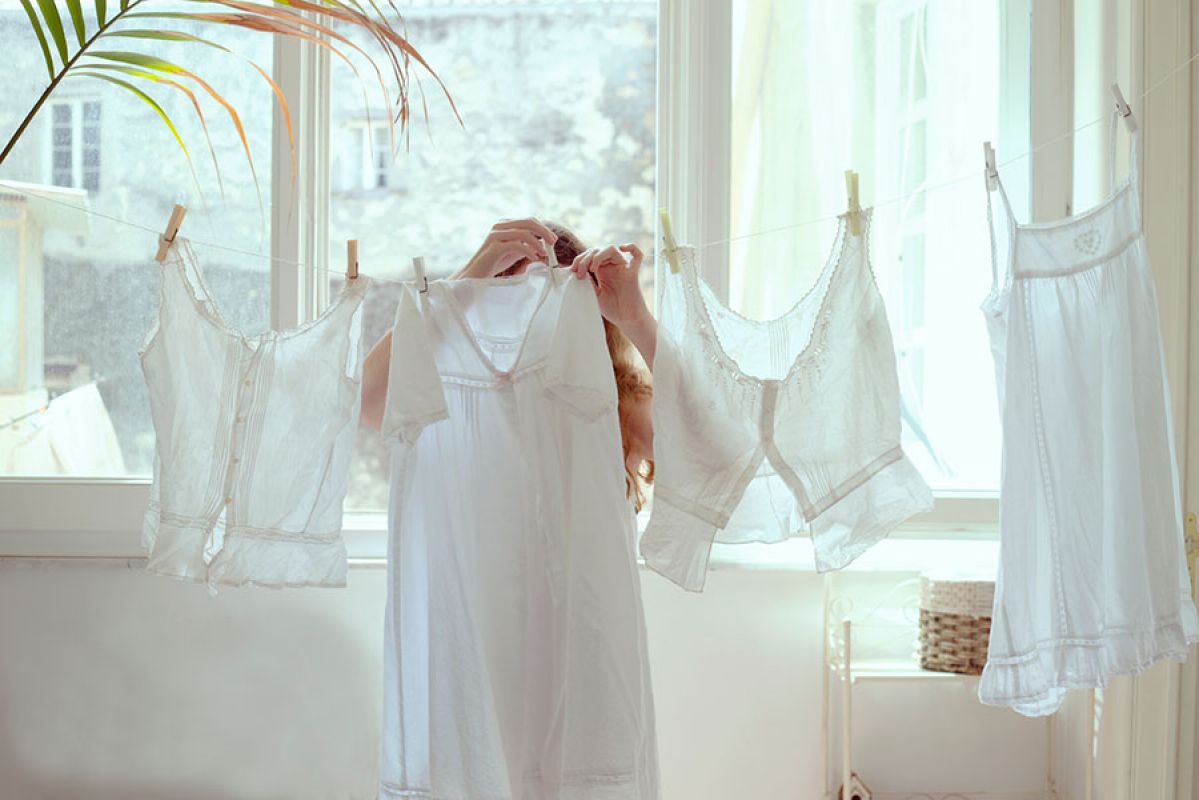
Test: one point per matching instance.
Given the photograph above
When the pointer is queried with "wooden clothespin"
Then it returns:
(351, 259)
(672, 249)
(854, 215)
(167, 237)
(992, 168)
(418, 269)
(1124, 109)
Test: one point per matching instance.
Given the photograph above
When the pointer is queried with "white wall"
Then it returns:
(117, 684)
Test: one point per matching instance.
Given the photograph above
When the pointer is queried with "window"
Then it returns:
(367, 159)
(75, 144)
(79, 292)
(565, 107)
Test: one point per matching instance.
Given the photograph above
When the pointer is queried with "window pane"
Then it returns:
(558, 102)
(80, 292)
(904, 92)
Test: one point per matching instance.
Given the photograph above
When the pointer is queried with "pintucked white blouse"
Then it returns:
(254, 435)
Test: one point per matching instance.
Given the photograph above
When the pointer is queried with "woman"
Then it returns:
(508, 249)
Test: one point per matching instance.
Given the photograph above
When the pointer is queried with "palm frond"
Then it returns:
(311, 21)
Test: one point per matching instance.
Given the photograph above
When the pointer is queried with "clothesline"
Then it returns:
(975, 175)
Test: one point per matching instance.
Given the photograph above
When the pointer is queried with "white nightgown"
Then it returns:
(515, 663)
(1092, 580)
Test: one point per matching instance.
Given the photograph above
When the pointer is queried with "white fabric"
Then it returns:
(253, 438)
(515, 664)
(765, 429)
(74, 436)
(1092, 581)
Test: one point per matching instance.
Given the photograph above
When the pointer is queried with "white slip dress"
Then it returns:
(1092, 581)
(515, 660)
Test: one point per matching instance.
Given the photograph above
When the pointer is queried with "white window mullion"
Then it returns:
(1052, 109)
(300, 203)
(694, 105)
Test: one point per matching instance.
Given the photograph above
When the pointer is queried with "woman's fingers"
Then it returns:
(582, 265)
(635, 255)
(530, 225)
(516, 235)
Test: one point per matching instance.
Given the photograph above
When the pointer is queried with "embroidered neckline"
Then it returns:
(834, 266)
(205, 302)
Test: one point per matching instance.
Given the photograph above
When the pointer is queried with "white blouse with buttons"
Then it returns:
(254, 435)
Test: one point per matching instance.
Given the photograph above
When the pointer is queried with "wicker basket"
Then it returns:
(955, 623)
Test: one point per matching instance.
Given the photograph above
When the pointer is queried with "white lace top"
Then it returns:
(253, 438)
(764, 430)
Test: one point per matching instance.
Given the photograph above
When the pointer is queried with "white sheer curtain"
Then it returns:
(904, 92)
(792, 139)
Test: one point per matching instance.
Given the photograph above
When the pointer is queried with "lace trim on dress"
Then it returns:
(1034, 683)
(276, 534)
(852, 482)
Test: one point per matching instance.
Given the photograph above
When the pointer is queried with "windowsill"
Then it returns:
(958, 551)
(911, 549)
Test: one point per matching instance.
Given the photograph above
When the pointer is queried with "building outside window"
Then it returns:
(75, 144)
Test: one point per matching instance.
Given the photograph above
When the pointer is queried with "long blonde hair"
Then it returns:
(633, 384)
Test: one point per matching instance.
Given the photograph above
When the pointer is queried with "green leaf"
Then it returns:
(164, 36)
(76, 9)
(101, 12)
(36, 24)
(129, 87)
(54, 25)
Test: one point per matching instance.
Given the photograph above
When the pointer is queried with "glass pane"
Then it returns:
(85, 288)
(558, 103)
(904, 92)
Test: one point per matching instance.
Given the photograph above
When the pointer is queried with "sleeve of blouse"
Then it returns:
(579, 370)
(414, 394)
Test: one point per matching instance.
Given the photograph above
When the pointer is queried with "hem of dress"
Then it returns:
(268, 559)
(248, 582)
(630, 784)
(1169, 640)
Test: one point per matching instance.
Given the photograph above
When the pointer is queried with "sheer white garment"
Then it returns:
(1092, 581)
(765, 429)
(515, 664)
(253, 438)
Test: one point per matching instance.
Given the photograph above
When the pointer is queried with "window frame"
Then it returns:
(80, 517)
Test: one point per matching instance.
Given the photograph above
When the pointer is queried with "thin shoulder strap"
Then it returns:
(994, 185)
(1113, 133)
(687, 282)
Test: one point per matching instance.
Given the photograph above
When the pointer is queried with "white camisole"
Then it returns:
(764, 430)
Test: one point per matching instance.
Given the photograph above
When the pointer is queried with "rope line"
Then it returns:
(739, 237)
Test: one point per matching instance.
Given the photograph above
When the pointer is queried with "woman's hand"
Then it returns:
(510, 246)
(616, 281)
(614, 271)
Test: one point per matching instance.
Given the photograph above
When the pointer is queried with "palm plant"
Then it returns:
(100, 52)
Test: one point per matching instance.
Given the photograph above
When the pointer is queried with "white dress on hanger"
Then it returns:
(515, 664)
(764, 430)
(1092, 581)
